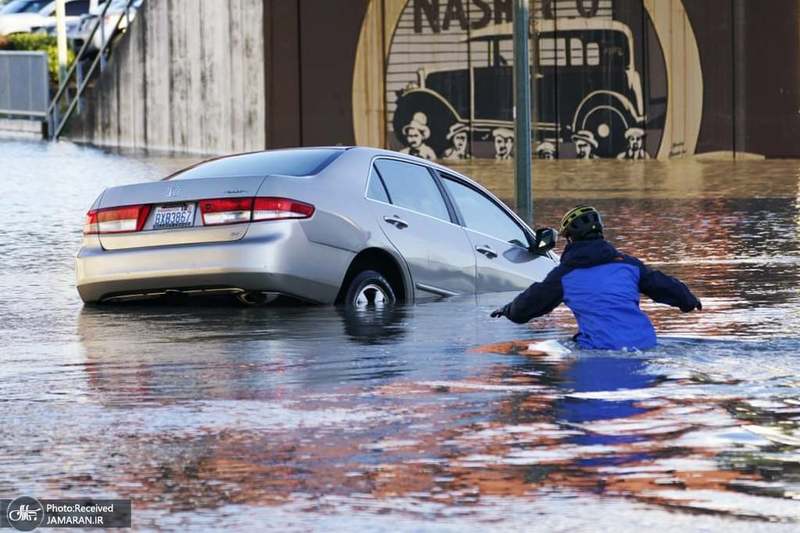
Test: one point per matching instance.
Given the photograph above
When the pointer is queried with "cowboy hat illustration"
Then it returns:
(418, 122)
(455, 129)
(634, 133)
(585, 136)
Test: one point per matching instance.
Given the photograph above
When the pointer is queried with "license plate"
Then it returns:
(173, 216)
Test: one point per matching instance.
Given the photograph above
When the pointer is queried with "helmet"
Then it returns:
(582, 222)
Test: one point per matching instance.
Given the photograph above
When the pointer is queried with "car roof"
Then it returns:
(371, 153)
(379, 152)
(406, 157)
(506, 29)
(367, 151)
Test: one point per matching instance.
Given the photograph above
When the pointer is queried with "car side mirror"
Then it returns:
(546, 239)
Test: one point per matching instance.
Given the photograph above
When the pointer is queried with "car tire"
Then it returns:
(369, 289)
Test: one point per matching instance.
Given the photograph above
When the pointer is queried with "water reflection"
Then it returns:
(374, 326)
(234, 352)
(421, 416)
(276, 419)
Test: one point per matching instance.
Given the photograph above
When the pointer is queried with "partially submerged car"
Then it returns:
(354, 226)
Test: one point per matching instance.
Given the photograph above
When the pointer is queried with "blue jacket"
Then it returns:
(601, 287)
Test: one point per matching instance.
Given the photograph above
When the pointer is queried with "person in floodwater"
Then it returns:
(601, 287)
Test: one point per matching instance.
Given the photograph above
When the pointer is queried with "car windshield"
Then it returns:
(48, 9)
(302, 162)
(23, 6)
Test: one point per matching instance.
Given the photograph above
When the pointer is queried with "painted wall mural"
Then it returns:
(602, 76)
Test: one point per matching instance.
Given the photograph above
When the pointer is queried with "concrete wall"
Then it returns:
(309, 60)
(187, 77)
(711, 78)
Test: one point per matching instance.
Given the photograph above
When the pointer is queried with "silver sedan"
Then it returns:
(353, 226)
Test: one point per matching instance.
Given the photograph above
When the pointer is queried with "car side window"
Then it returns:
(376, 190)
(77, 8)
(412, 186)
(483, 215)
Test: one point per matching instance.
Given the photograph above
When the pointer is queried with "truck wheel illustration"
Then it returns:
(608, 115)
(439, 114)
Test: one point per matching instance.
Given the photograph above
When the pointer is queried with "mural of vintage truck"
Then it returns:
(586, 89)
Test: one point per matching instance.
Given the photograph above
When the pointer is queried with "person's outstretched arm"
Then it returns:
(666, 289)
(537, 300)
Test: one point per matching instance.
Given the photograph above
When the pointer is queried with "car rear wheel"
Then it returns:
(369, 289)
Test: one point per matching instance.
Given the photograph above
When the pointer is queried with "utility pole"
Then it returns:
(61, 40)
(522, 110)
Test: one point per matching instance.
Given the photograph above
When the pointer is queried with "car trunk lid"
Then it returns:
(174, 214)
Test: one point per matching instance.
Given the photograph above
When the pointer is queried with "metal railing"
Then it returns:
(57, 114)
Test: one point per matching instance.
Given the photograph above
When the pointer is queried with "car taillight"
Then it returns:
(90, 225)
(235, 210)
(215, 211)
(226, 210)
(280, 208)
(116, 219)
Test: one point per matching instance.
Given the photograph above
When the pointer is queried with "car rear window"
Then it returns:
(302, 162)
(77, 8)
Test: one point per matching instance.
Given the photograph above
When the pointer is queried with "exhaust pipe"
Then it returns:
(257, 297)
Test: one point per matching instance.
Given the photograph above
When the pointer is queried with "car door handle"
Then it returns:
(487, 251)
(396, 221)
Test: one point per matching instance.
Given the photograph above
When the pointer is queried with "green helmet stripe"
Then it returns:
(574, 213)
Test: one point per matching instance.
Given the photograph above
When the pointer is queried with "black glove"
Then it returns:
(500, 311)
(697, 304)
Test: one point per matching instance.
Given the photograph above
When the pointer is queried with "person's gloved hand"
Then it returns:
(697, 304)
(499, 312)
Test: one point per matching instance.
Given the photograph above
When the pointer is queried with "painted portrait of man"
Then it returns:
(416, 133)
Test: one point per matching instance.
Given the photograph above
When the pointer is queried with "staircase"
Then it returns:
(69, 97)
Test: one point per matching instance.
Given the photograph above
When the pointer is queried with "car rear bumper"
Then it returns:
(273, 257)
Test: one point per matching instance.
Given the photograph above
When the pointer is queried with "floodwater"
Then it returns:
(426, 417)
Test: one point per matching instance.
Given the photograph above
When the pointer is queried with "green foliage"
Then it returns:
(37, 42)
(30, 41)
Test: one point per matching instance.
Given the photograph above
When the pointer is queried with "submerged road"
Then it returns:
(426, 417)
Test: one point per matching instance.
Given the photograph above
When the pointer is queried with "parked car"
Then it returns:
(586, 81)
(358, 226)
(115, 16)
(15, 16)
(24, 16)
